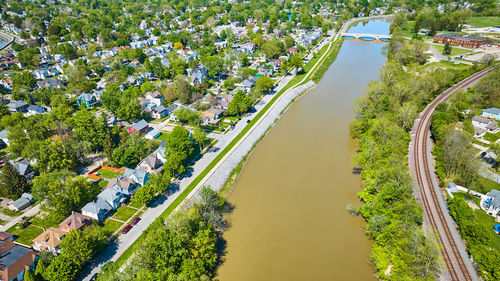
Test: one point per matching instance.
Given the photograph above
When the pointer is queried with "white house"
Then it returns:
(482, 125)
(491, 203)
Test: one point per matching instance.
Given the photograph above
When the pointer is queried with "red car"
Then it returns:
(136, 220)
(127, 229)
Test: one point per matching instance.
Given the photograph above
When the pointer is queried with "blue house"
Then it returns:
(87, 99)
(492, 112)
(97, 210)
(112, 196)
(139, 175)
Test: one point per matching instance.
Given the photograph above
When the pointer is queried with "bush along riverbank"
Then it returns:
(457, 161)
(402, 249)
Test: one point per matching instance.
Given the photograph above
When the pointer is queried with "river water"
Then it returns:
(290, 220)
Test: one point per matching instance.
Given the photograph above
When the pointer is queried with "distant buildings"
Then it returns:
(14, 259)
(459, 40)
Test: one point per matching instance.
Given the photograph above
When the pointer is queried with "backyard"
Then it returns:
(107, 173)
(454, 49)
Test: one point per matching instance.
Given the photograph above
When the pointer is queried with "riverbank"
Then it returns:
(124, 249)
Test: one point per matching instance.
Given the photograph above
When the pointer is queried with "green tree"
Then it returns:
(263, 84)
(199, 136)
(12, 185)
(239, 104)
(447, 49)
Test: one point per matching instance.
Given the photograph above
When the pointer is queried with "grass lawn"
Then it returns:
(26, 235)
(108, 174)
(484, 185)
(136, 204)
(163, 136)
(454, 50)
(491, 137)
(47, 221)
(484, 219)
(103, 183)
(110, 226)
(10, 213)
(124, 213)
(489, 222)
(484, 21)
(478, 142)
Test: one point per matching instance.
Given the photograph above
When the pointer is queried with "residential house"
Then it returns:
(152, 163)
(34, 109)
(159, 112)
(483, 125)
(123, 185)
(24, 169)
(141, 126)
(492, 113)
(17, 106)
(14, 259)
(211, 115)
(97, 209)
(87, 99)
(155, 97)
(249, 82)
(153, 134)
(198, 75)
(171, 108)
(4, 136)
(491, 203)
(139, 175)
(7, 83)
(50, 83)
(49, 240)
(113, 197)
(22, 203)
(75, 221)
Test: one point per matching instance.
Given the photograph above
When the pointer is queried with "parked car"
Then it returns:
(94, 277)
(136, 221)
(127, 229)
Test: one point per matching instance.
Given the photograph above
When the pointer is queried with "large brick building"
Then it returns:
(459, 40)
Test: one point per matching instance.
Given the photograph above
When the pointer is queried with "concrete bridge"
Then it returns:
(367, 37)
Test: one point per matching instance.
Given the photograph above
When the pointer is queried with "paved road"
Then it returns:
(30, 212)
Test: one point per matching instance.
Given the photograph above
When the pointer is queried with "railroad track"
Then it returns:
(456, 263)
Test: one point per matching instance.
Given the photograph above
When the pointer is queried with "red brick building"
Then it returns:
(459, 40)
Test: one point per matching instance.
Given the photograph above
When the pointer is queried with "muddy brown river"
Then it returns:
(290, 220)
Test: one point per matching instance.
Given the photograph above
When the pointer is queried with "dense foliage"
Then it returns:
(183, 248)
(402, 250)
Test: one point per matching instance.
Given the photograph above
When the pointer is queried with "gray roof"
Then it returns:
(480, 119)
(492, 110)
(3, 134)
(86, 97)
(22, 167)
(172, 108)
(12, 255)
(140, 174)
(110, 195)
(96, 206)
(140, 125)
(21, 203)
(495, 194)
(160, 109)
(152, 161)
(36, 108)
